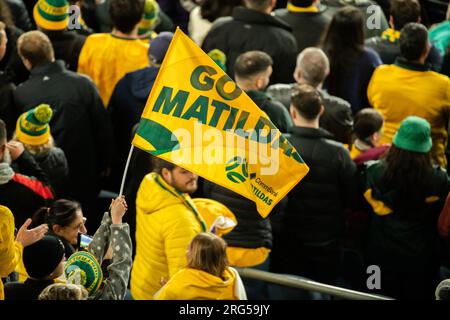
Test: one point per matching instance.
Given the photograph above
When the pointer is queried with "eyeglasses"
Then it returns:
(79, 226)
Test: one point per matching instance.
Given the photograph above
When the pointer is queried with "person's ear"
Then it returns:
(293, 112)
(375, 138)
(391, 22)
(426, 50)
(273, 4)
(26, 63)
(260, 82)
(297, 75)
(57, 229)
(322, 110)
(166, 174)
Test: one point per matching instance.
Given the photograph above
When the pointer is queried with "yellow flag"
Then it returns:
(197, 118)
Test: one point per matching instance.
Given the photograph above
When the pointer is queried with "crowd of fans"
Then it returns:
(361, 89)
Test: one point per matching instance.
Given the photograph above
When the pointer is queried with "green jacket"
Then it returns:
(396, 241)
(274, 109)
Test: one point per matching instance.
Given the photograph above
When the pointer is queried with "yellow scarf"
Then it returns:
(390, 35)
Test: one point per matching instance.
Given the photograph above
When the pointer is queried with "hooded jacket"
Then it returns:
(193, 284)
(10, 250)
(166, 222)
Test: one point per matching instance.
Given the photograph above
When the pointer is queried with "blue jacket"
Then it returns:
(351, 84)
(126, 105)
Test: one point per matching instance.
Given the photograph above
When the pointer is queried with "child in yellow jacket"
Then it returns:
(207, 276)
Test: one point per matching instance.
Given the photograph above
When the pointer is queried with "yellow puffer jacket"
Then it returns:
(166, 222)
(10, 250)
(193, 284)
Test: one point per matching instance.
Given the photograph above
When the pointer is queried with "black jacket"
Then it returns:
(26, 192)
(11, 63)
(252, 231)
(125, 107)
(315, 210)
(28, 290)
(56, 168)
(248, 30)
(372, 14)
(67, 46)
(80, 124)
(20, 14)
(8, 112)
(307, 27)
(337, 118)
(276, 112)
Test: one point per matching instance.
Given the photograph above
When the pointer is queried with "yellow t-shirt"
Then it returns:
(246, 257)
(106, 58)
(399, 91)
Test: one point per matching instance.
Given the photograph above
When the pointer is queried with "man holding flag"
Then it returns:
(197, 118)
(167, 220)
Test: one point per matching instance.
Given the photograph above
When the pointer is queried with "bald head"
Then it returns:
(312, 67)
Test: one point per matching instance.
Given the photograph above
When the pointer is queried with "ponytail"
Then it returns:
(62, 212)
(40, 217)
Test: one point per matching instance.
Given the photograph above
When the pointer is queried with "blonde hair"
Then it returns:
(207, 252)
(64, 291)
(40, 149)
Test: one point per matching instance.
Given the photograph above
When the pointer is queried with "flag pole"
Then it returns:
(126, 170)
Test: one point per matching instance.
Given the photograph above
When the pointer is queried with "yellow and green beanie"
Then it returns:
(82, 268)
(219, 58)
(51, 14)
(151, 17)
(32, 126)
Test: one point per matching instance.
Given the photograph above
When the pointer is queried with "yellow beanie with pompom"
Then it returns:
(32, 126)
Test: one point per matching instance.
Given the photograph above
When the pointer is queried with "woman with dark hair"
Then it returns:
(207, 11)
(351, 64)
(406, 194)
(65, 220)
